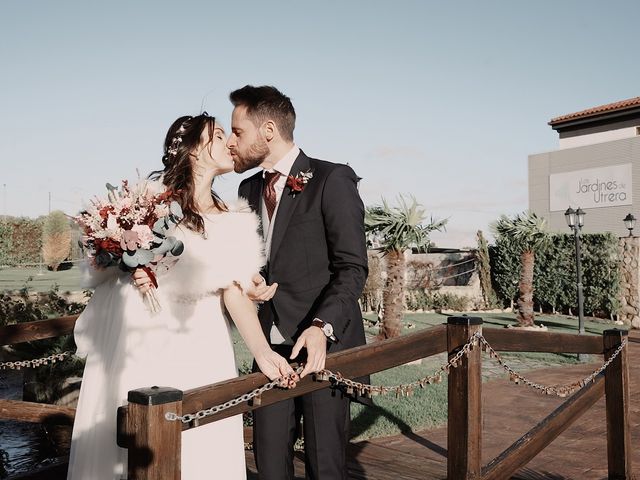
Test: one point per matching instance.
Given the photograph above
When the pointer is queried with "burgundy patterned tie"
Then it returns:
(269, 191)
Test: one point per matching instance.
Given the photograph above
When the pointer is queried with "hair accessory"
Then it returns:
(172, 151)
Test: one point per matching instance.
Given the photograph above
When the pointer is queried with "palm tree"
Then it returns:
(394, 230)
(528, 233)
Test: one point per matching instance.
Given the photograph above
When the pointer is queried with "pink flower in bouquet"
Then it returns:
(129, 240)
(161, 210)
(145, 235)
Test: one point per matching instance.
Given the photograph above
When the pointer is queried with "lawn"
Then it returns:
(39, 280)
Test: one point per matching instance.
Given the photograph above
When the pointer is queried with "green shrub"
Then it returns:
(484, 272)
(450, 301)
(421, 300)
(20, 240)
(6, 242)
(418, 300)
(47, 382)
(555, 273)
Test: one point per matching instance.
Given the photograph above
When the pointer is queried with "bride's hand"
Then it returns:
(261, 292)
(275, 366)
(141, 280)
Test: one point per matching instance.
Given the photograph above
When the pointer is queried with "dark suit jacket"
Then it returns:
(318, 253)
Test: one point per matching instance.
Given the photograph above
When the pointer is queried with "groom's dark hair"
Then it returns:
(267, 103)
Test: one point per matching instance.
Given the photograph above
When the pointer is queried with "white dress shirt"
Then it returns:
(284, 168)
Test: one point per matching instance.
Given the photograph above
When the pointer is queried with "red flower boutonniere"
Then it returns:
(296, 184)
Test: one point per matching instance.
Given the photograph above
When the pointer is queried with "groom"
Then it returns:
(313, 226)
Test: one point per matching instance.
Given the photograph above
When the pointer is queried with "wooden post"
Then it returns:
(152, 440)
(464, 426)
(617, 401)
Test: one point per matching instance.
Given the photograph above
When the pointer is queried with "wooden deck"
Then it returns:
(509, 411)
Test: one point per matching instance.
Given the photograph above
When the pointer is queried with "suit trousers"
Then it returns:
(326, 423)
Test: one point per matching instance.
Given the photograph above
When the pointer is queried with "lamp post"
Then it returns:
(629, 222)
(575, 221)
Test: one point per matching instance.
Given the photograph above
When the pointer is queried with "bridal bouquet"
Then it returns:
(129, 229)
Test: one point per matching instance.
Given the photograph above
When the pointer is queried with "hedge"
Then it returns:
(555, 274)
(20, 240)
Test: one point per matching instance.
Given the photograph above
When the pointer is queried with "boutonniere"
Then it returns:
(296, 184)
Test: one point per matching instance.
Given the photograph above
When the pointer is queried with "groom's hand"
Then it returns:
(261, 292)
(315, 341)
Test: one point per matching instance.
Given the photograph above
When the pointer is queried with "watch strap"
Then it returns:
(321, 325)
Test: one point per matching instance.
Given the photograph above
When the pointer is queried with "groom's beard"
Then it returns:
(255, 155)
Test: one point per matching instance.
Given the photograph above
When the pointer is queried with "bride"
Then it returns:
(188, 344)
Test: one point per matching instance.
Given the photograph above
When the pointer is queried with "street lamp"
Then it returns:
(575, 221)
(629, 222)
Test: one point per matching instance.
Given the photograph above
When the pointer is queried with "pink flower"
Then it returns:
(145, 235)
(129, 240)
(161, 210)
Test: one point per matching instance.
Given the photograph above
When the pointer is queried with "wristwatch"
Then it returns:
(326, 328)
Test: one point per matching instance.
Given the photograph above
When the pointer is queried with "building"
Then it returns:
(596, 167)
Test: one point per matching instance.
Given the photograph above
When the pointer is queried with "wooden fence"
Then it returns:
(154, 442)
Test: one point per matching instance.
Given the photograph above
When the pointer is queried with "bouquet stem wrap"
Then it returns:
(150, 295)
(152, 301)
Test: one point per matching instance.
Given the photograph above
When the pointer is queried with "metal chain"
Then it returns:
(337, 378)
(558, 390)
(368, 390)
(17, 365)
(189, 417)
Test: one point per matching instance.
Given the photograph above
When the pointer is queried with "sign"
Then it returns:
(592, 188)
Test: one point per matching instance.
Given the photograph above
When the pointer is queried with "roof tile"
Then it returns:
(610, 107)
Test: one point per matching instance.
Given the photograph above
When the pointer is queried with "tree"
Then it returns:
(56, 239)
(529, 233)
(371, 299)
(395, 230)
(484, 272)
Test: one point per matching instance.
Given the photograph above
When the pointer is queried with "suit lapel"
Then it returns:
(287, 205)
(255, 196)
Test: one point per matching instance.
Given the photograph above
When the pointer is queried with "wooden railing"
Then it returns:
(154, 442)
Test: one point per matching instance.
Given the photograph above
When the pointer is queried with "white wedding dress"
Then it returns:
(188, 344)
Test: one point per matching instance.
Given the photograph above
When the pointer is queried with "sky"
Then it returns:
(442, 100)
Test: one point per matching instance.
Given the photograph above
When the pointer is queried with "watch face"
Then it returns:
(328, 329)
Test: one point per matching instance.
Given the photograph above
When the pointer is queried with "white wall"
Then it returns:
(608, 219)
(600, 137)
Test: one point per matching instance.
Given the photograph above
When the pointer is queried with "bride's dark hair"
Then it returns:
(183, 137)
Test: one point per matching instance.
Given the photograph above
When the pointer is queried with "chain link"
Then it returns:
(189, 417)
(17, 365)
(558, 390)
(368, 390)
(402, 390)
